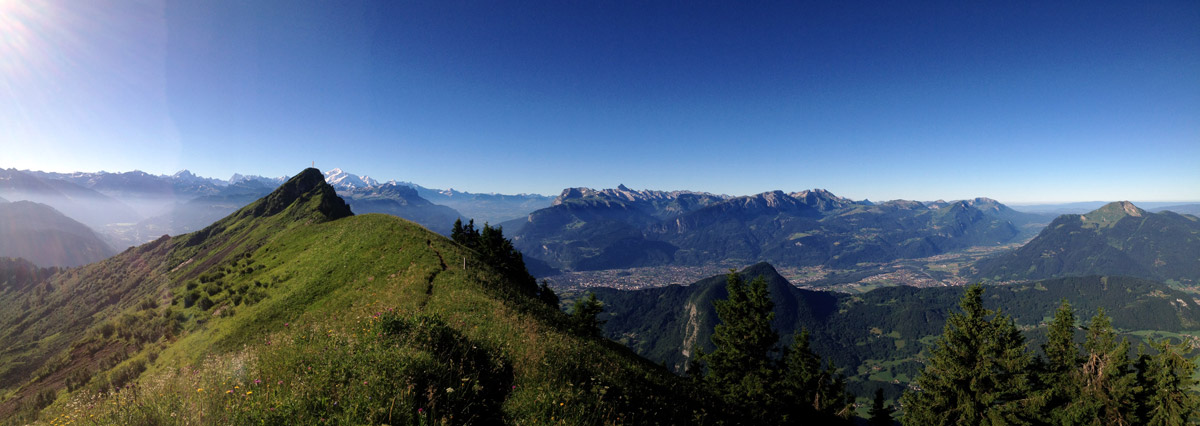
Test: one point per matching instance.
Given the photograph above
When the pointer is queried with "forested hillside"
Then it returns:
(881, 338)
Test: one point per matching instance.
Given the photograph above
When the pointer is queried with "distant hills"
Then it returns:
(91, 207)
(401, 201)
(42, 235)
(1116, 239)
(587, 229)
(1192, 209)
(1081, 207)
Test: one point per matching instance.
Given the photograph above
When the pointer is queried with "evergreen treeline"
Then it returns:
(745, 372)
(499, 253)
(980, 372)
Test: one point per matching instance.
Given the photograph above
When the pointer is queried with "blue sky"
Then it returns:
(1022, 102)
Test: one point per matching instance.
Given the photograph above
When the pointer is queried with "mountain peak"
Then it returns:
(309, 185)
(1109, 214)
(342, 180)
(821, 199)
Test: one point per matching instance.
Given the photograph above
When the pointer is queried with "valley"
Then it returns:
(306, 264)
(942, 270)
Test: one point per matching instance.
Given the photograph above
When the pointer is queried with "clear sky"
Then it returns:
(1018, 101)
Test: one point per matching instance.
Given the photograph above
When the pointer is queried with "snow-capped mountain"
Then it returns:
(342, 181)
(238, 177)
(188, 178)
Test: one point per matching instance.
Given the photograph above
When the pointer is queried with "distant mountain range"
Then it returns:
(1116, 239)
(91, 207)
(401, 201)
(40, 234)
(135, 207)
(484, 208)
(587, 229)
(1087, 206)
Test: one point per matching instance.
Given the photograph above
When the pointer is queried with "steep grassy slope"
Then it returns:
(1117, 239)
(292, 311)
(879, 338)
(42, 235)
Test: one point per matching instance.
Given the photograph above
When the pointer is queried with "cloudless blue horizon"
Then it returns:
(1023, 103)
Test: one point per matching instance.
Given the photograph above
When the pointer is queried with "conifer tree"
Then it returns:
(585, 315)
(1167, 382)
(880, 414)
(498, 252)
(456, 232)
(740, 366)
(548, 296)
(465, 235)
(976, 374)
(695, 366)
(1106, 381)
(1059, 376)
(807, 387)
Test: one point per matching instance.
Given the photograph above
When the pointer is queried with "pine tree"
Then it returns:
(695, 366)
(456, 232)
(585, 315)
(1058, 371)
(880, 415)
(548, 296)
(1106, 381)
(1168, 381)
(498, 252)
(740, 366)
(976, 374)
(807, 387)
(465, 235)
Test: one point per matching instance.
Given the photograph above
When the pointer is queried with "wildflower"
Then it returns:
(449, 390)
(199, 389)
(249, 392)
(420, 411)
(229, 391)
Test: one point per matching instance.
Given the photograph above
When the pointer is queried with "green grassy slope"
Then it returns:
(291, 311)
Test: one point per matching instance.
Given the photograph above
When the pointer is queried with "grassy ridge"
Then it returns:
(273, 315)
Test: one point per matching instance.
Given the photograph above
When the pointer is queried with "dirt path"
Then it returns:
(431, 277)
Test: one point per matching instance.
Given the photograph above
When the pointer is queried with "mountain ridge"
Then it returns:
(351, 307)
(1118, 238)
(588, 229)
(44, 236)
